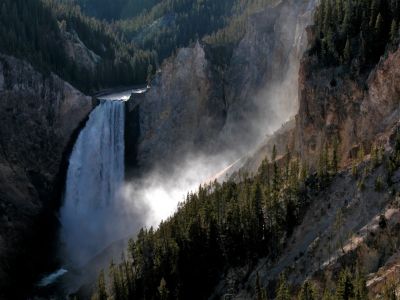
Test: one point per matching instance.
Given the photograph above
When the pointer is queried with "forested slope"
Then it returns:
(47, 34)
(171, 24)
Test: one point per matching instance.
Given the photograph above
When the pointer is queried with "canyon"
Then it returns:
(272, 93)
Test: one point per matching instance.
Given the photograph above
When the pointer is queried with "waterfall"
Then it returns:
(92, 203)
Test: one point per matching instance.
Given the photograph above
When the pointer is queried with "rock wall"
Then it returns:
(355, 111)
(40, 117)
(261, 82)
(181, 111)
(193, 106)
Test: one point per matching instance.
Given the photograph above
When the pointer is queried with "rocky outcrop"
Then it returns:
(334, 105)
(261, 82)
(357, 111)
(181, 112)
(321, 245)
(40, 117)
(194, 106)
(78, 52)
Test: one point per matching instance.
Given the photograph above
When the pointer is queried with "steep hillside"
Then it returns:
(115, 9)
(41, 116)
(59, 38)
(172, 24)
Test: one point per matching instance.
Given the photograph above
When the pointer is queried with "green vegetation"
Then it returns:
(350, 285)
(221, 226)
(114, 9)
(234, 224)
(356, 33)
(176, 23)
(122, 53)
(36, 31)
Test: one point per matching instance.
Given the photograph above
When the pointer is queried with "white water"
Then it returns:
(124, 95)
(91, 218)
(50, 279)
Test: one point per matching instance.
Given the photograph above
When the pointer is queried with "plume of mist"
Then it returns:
(271, 91)
(140, 203)
(157, 196)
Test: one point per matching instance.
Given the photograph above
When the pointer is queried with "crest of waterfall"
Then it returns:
(93, 205)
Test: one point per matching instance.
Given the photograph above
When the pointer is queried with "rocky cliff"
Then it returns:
(180, 113)
(354, 111)
(357, 111)
(342, 226)
(194, 106)
(40, 117)
(337, 105)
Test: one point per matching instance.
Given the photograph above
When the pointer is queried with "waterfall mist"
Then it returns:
(156, 197)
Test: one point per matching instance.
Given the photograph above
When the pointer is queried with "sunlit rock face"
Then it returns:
(262, 81)
(40, 115)
(92, 214)
(334, 105)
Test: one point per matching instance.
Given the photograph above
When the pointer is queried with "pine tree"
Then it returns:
(287, 163)
(260, 291)
(373, 13)
(335, 159)
(378, 24)
(327, 16)
(347, 19)
(361, 154)
(258, 213)
(374, 157)
(360, 285)
(394, 32)
(163, 290)
(327, 295)
(282, 292)
(307, 292)
(339, 10)
(276, 176)
(345, 288)
(338, 227)
(116, 285)
(101, 293)
(347, 52)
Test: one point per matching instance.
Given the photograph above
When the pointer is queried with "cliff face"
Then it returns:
(321, 246)
(40, 116)
(180, 113)
(333, 105)
(192, 107)
(362, 111)
(261, 82)
(358, 111)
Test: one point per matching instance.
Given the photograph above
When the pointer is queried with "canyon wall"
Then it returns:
(40, 119)
(358, 111)
(196, 106)
(354, 111)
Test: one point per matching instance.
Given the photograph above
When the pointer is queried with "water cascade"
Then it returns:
(91, 216)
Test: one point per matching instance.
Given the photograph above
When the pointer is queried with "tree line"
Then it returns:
(171, 24)
(356, 33)
(35, 31)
